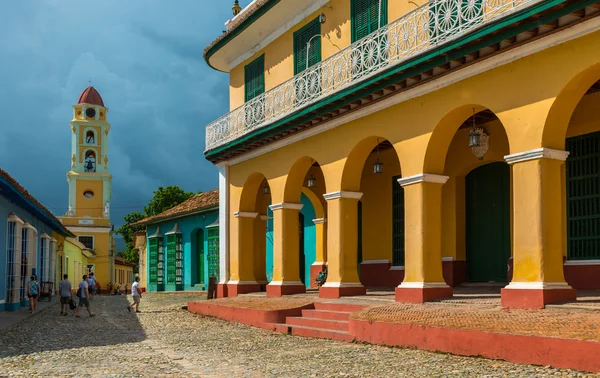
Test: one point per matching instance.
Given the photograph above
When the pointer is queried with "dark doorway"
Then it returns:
(301, 255)
(198, 259)
(488, 223)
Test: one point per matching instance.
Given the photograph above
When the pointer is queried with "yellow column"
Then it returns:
(321, 250)
(286, 250)
(538, 237)
(242, 279)
(423, 277)
(342, 246)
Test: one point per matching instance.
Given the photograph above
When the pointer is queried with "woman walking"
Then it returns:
(33, 292)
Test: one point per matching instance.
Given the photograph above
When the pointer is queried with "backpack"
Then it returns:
(72, 304)
(78, 292)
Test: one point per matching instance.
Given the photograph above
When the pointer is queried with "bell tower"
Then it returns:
(88, 216)
(89, 179)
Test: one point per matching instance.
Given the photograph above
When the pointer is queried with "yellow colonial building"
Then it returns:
(437, 143)
(89, 181)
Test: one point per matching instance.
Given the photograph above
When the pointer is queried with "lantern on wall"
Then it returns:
(478, 140)
(265, 189)
(312, 181)
(378, 166)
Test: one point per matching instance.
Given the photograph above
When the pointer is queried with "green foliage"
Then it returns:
(164, 199)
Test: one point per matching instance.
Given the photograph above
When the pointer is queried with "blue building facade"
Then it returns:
(183, 245)
(26, 229)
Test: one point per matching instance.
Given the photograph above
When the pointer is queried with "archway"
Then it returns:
(373, 169)
(476, 199)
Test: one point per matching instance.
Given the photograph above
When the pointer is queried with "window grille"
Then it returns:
(213, 252)
(13, 261)
(160, 272)
(43, 259)
(171, 268)
(88, 241)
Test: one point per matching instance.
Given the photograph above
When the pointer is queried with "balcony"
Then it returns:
(428, 27)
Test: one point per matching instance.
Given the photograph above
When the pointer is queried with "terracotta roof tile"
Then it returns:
(121, 261)
(27, 195)
(195, 204)
(90, 96)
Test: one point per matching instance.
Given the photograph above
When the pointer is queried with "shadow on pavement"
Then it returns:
(48, 330)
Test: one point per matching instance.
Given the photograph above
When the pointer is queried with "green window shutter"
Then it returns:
(171, 242)
(301, 38)
(213, 252)
(364, 18)
(254, 78)
(397, 223)
(178, 262)
(153, 263)
(583, 197)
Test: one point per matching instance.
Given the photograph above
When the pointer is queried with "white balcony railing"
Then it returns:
(423, 29)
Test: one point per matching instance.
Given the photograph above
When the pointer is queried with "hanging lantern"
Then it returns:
(312, 181)
(265, 189)
(478, 140)
(474, 140)
(378, 166)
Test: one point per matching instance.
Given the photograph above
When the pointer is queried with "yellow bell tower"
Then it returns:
(89, 181)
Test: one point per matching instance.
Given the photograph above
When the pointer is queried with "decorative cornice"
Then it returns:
(319, 221)
(245, 214)
(286, 205)
(539, 153)
(423, 177)
(12, 217)
(342, 194)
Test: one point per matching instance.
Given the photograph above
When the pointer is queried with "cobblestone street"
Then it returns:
(166, 340)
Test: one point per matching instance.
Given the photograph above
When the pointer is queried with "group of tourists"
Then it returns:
(85, 292)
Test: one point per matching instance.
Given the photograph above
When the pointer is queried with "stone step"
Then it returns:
(335, 306)
(324, 314)
(334, 325)
(298, 330)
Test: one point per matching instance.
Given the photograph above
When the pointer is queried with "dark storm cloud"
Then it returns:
(145, 59)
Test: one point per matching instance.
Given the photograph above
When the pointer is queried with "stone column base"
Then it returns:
(221, 290)
(279, 288)
(536, 294)
(235, 288)
(340, 289)
(421, 292)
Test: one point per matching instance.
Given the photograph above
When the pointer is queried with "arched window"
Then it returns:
(90, 161)
(90, 138)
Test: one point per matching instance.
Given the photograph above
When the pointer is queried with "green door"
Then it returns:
(200, 257)
(488, 223)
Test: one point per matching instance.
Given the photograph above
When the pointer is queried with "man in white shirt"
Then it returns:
(136, 293)
(84, 296)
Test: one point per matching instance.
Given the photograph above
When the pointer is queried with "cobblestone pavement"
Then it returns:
(166, 340)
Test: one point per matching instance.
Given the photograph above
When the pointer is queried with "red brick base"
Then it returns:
(315, 269)
(233, 290)
(337, 292)
(221, 290)
(535, 298)
(422, 295)
(279, 290)
(583, 277)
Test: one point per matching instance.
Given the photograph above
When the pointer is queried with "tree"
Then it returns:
(164, 199)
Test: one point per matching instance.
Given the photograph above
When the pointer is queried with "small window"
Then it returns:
(88, 241)
(90, 137)
(88, 194)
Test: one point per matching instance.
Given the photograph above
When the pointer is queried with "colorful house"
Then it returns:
(28, 229)
(123, 273)
(90, 187)
(182, 245)
(140, 245)
(438, 143)
(76, 256)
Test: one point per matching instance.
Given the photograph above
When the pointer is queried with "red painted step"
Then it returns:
(333, 325)
(334, 306)
(321, 333)
(330, 315)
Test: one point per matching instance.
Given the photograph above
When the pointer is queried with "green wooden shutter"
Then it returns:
(153, 260)
(254, 78)
(301, 38)
(583, 197)
(171, 242)
(178, 263)
(364, 18)
(397, 223)
(213, 252)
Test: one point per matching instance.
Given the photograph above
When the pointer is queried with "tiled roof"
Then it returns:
(121, 261)
(236, 22)
(90, 96)
(195, 204)
(41, 208)
(77, 243)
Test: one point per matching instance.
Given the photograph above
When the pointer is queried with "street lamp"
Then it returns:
(378, 166)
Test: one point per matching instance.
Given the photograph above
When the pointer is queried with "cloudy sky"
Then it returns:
(145, 59)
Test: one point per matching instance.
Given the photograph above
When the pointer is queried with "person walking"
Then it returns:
(64, 287)
(136, 294)
(84, 296)
(91, 281)
(33, 292)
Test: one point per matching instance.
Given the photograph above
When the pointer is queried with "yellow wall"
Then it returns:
(533, 97)
(89, 206)
(75, 262)
(124, 276)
